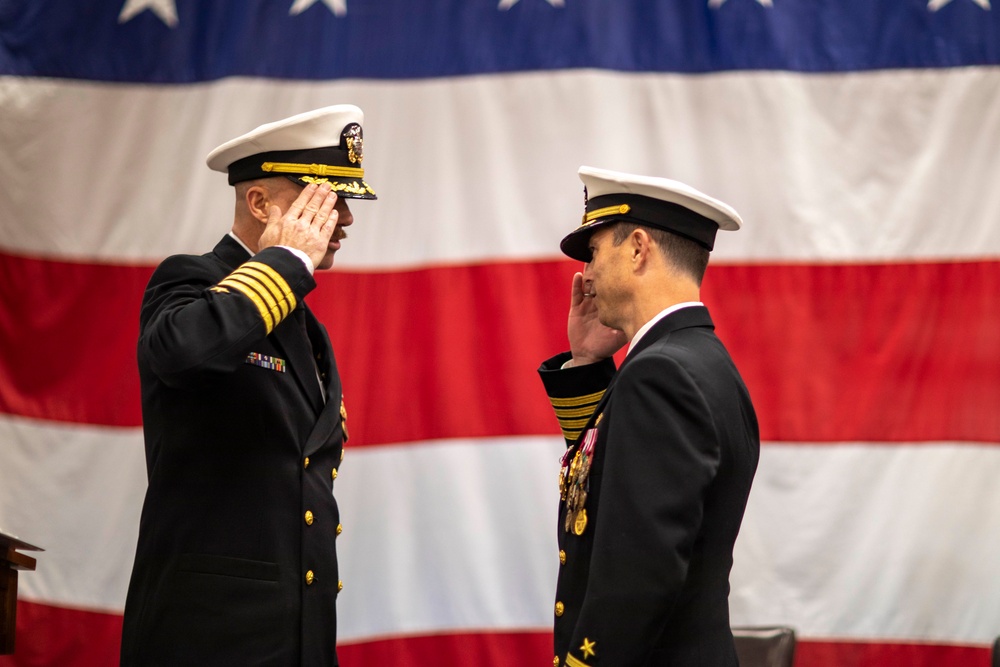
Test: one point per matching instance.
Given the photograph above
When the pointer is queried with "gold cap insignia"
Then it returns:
(355, 143)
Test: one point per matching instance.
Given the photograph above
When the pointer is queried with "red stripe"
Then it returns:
(67, 336)
(858, 654)
(49, 636)
(882, 353)
(479, 649)
(535, 648)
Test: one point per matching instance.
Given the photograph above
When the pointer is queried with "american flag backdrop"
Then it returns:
(859, 139)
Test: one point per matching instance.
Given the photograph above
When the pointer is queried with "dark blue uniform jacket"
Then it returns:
(646, 581)
(236, 561)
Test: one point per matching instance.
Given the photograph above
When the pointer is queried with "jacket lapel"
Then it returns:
(329, 416)
(322, 353)
(291, 337)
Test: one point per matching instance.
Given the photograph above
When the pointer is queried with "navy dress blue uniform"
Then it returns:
(662, 452)
(236, 561)
(245, 426)
(646, 582)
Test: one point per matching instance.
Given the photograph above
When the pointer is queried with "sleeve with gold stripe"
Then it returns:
(201, 317)
(265, 287)
(575, 392)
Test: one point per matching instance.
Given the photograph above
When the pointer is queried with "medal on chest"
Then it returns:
(574, 480)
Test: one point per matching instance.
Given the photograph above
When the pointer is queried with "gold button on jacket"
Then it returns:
(560, 608)
(310, 577)
(309, 518)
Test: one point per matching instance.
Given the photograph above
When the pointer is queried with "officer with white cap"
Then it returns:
(243, 415)
(660, 452)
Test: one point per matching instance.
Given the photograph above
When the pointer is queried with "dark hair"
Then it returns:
(681, 252)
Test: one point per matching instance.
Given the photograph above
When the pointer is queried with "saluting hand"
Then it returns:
(589, 340)
(307, 225)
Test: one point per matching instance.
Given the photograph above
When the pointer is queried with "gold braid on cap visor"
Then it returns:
(621, 209)
(316, 169)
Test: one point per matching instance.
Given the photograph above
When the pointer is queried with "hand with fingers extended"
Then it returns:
(307, 225)
(589, 340)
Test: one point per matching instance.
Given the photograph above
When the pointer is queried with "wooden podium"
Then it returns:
(10, 562)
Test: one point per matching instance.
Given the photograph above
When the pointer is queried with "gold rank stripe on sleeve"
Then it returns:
(573, 661)
(569, 413)
(574, 413)
(576, 423)
(267, 276)
(265, 288)
(575, 401)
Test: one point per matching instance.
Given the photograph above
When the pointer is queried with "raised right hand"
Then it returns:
(589, 340)
(307, 225)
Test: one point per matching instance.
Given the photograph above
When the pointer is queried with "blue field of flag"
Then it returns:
(185, 41)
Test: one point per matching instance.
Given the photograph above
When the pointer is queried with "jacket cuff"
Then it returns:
(575, 392)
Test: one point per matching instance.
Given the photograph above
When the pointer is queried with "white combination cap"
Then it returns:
(614, 196)
(323, 145)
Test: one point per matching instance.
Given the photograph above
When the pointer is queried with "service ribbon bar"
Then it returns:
(267, 361)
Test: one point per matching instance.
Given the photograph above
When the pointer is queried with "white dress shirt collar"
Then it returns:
(656, 318)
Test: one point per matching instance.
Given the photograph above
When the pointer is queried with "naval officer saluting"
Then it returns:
(660, 452)
(243, 416)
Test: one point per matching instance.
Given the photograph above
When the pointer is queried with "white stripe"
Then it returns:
(452, 535)
(77, 493)
(843, 540)
(886, 165)
(867, 541)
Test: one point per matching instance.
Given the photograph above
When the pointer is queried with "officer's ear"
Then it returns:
(258, 202)
(640, 246)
